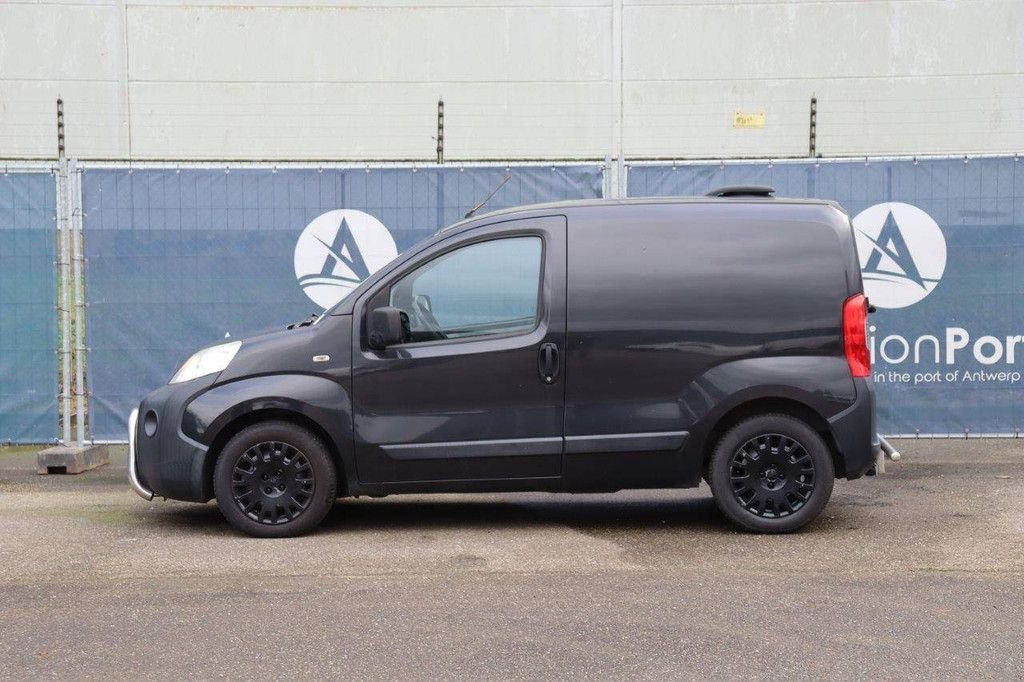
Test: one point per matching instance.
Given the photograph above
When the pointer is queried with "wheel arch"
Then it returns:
(242, 421)
(773, 405)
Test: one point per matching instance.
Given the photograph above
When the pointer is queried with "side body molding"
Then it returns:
(661, 441)
(525, 447)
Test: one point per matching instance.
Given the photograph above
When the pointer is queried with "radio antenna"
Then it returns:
(488, 198)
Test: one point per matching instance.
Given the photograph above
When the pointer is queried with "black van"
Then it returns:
(587, 346)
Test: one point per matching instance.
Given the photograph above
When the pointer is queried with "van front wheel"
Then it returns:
(771, 474)
(274, 479)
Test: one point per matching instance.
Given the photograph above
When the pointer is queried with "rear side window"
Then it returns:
(483, 289)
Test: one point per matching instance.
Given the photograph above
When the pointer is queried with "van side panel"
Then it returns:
(675, 310)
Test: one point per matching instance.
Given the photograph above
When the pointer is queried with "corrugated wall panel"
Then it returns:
(307, 79)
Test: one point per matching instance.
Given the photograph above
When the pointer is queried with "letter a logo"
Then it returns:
(344, 252)
(337, 251)
(902, 253)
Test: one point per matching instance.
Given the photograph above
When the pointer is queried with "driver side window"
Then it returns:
(483, 289)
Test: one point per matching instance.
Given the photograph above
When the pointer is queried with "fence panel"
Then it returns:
(941, 244)
(181, 258)
(28, 321)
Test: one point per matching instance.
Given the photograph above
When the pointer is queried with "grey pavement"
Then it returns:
(918, 573)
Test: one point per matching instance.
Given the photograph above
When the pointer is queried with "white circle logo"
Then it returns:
(337, 251)
(902, 253)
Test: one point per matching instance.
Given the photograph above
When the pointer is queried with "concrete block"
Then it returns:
(71, 459)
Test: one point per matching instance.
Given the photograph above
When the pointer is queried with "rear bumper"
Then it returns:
(856, 434)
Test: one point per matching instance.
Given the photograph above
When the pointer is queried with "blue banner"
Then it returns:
(180, 259)
(941, 244)
(28, 319)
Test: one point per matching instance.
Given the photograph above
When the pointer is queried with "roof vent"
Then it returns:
(742, 191)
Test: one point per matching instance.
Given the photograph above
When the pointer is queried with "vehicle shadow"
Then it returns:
(423, 513)
(591, 515)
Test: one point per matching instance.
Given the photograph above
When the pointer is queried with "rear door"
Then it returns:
(476, 394)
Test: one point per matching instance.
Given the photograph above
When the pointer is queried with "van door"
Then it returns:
(476, 393)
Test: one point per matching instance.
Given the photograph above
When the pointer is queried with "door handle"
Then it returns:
(548, 362)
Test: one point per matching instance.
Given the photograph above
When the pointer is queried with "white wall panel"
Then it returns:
(57, 41)
(366, 120)
(69, 50)
(890, 77)
(321, 44)
(907, 115)
(307, 79)
(321, 82)
(713, 41)
(28, 118)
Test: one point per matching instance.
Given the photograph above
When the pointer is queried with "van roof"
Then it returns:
(634, 201)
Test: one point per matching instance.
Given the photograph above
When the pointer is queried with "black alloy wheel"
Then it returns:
(275, 479)
(771, 473)
(273, 482)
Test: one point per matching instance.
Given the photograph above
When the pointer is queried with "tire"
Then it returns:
(771, 474)
(274, 480)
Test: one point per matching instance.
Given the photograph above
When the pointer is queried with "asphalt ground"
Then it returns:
(918, 573)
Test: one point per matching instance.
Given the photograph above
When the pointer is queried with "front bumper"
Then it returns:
(163, 461)
(133, 467)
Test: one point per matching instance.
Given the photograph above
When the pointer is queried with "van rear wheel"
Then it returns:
(771, 474)
(274, 479)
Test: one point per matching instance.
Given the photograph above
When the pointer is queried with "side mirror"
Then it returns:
(387, 327)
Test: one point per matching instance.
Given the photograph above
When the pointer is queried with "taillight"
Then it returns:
(855, 335)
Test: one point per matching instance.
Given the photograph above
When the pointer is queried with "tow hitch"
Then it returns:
(888, 451)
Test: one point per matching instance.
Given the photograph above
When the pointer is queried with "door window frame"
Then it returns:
(539, 311)
(379, 295)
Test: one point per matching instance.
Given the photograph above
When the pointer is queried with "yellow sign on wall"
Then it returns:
(748, 120)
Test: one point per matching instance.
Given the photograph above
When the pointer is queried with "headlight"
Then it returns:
(207, 361)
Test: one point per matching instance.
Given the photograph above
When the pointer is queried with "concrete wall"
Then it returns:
(302, 79)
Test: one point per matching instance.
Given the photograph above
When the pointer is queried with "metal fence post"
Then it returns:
(69, 458)
(606, 177)
(64, 270)
(77, 248)
(812, 148)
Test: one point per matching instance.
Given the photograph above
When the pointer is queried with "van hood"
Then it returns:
(288, 351)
